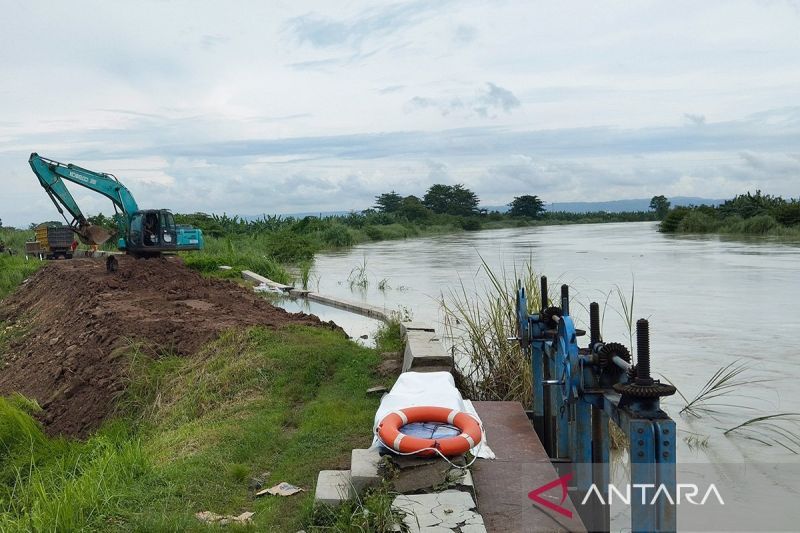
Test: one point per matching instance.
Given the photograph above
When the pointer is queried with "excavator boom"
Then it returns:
(51, 176)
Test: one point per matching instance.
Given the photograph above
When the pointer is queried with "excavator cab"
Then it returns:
(154, 231)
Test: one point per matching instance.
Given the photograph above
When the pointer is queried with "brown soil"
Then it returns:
(76, 316)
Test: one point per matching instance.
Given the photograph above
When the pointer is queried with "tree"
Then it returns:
(463, 201)
(412, 208)
(660, 205)
(388, 202)
(526, 206)
(437, 198)
(451, 199)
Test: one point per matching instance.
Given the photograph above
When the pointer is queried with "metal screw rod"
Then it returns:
(594, 323)
(643, 352)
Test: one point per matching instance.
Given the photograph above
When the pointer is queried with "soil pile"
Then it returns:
(76, 315)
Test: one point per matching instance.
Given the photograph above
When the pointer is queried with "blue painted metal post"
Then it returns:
(643, 475)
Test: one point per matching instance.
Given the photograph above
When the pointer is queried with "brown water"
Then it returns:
(710, 301)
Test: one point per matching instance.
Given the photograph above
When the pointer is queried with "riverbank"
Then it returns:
(752, 215)
(202, 430)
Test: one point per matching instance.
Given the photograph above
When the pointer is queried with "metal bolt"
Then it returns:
(643, 353)
(594, 323)
(543, 291)
(641, 454)
(641, 443)
(640, 431)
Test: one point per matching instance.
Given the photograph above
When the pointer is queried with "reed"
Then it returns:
(478, 322)
(781, 429)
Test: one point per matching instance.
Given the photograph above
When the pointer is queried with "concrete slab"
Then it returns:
(522, 465)
(405, 327)
(259, 279)
(413, 474)
(364, 468)
(442, 511)
(333, 487)
(371, 311)
(424, 349)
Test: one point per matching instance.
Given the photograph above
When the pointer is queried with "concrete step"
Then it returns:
(364, 468)
(425, 351)
(333, 487)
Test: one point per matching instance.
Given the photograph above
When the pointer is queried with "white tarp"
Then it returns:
(437, 389)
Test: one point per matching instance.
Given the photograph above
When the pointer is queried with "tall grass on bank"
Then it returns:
(479, 323)
(240, 254)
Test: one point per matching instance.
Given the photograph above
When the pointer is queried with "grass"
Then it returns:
(191, 432)
(358, 276)
(15, 268)
(727, 381)
(779, 429)
(479, 322)
(372, 512)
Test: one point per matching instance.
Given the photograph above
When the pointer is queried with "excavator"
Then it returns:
(142, 233)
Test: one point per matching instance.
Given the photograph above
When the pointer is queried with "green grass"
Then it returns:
(191, 432)
(15, 268)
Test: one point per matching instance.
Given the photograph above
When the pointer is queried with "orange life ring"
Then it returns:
(389, 431)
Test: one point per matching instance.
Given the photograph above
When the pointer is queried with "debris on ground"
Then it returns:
(281, 489)
(258, 482)
(214, 518)
(79, 319)
(380, 389)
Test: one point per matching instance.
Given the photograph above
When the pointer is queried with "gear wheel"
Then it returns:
(655, 389)
(549, 313)
(609, 350)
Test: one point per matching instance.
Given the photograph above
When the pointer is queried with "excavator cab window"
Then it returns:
(168, 233)
(151, 230)
(136, 230)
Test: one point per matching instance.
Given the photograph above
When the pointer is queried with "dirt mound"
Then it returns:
(76, 315)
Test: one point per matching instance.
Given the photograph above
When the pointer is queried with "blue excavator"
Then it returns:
(142, 233)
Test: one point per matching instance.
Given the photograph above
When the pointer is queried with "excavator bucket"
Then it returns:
(91, 234)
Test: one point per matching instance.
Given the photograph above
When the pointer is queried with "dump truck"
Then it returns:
(51, 241)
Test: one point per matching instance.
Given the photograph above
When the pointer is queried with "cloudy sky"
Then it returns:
(281, 107)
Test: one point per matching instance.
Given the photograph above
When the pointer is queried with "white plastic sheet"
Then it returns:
(438, 389)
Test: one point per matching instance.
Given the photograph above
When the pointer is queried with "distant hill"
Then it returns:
(615, 206)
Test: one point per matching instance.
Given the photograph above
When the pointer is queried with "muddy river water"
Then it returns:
(710, 301)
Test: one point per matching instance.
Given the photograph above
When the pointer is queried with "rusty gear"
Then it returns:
(611, 349)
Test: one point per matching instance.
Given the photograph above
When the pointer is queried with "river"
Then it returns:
(710, 301)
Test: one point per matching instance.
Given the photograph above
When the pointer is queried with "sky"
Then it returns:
(283, 107)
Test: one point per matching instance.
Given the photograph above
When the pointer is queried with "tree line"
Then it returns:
(749, 213)
(455, 200)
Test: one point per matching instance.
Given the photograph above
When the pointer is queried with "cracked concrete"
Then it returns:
(442, 512)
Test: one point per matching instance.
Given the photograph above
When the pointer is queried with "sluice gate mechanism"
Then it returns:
(577, 391)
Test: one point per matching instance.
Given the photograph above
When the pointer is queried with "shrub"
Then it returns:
(672, 220)
(337, 236)
(759, 224)
(374, 233)
(697, 222)
(470, 224)
(788, 214)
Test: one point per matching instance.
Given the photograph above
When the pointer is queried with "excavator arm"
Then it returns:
(51, 176)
